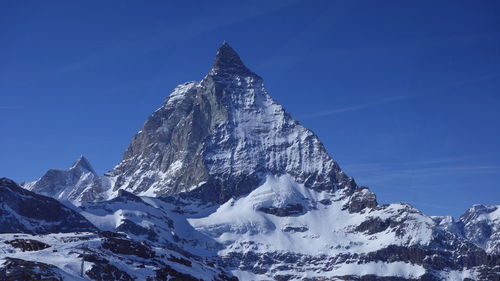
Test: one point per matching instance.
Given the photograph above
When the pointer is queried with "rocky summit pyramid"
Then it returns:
(219, 138)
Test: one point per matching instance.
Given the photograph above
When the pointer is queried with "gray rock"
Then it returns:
(65, 183)
(22, 211)
(217, 139)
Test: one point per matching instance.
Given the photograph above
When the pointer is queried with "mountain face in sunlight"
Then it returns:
(221, 183)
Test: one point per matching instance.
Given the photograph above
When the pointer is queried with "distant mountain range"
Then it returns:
(221, 183)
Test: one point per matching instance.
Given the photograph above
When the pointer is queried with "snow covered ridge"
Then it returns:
(480, 225)
(221, 182)
(280, 231)
(41, 239)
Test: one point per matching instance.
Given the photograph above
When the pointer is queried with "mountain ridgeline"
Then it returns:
(217, 138)
(220, 183)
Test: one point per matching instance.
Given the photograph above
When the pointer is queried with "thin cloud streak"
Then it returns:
(397, 98)
(355, 107)
(425, 170)
(416, 163)
(420, 171)
(8, 107)
(382, 175)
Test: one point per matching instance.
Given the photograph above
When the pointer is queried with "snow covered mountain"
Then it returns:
(219, 138)
(480, 225)
(64, 184)
(221, 181)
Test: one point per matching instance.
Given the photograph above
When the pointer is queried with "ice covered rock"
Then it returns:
(65, 184)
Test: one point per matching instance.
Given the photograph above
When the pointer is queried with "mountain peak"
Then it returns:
(83, 163)
(228, 61)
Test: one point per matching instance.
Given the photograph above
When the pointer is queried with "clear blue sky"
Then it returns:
(404, 94)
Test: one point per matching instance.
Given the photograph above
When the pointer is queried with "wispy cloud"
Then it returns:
(355, 107)
(434, 206)
(425, 170)
(436, 161)
(201, 24)
(372, 104)
(295, 49)
(8, 107)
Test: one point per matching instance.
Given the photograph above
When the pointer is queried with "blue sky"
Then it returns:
(404, 94)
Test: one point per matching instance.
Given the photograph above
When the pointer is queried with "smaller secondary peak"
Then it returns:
(228, 61)
(83, 163)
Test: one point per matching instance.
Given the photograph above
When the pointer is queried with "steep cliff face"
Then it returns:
(22, 211)
(481, 225)
(219, 138)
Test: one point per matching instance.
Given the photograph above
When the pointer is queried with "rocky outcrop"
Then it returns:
(480, 224)
(128, 247)
(360, 199)
(22, 270)
(22, 211)
(105, 271)
(27, 244)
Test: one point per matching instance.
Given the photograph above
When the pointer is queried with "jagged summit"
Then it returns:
(219, 138)
(227, 61)
(65, 183)
(83, 163)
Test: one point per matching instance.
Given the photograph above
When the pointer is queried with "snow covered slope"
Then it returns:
(41, 239)
(106, 257)
(285, 231)
(161, 221)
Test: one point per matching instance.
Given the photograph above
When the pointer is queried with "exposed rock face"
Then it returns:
(481, 225)
(106, 256)
(128, 247)
(23, 270)
(219, 138)
(361, 199)
(106, 271)
(27, 244)
(22, 211)
(65, 184)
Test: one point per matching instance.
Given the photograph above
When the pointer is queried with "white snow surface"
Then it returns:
(65, 249)
(321, 230)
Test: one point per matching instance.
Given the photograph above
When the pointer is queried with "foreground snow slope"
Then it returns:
(284, 229)
(49, 241)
